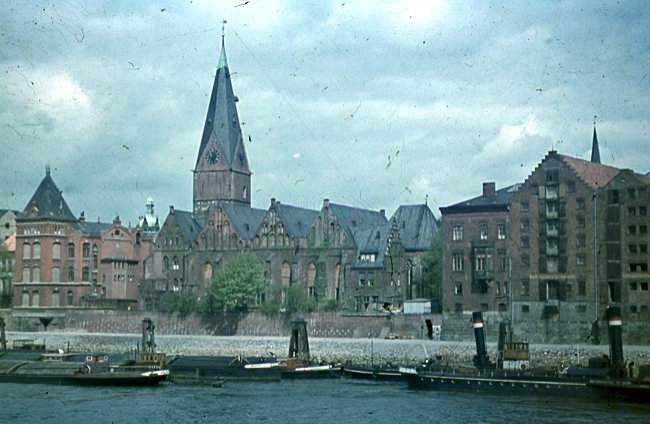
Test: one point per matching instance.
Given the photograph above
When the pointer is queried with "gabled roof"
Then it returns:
(499, 201)
(416, 225)
(371, 240)
(356, 218)
(189, 223)
(3, 212)
(222, 121)
(593, 174)
(47, 202)
(297, 220)
(245, 220)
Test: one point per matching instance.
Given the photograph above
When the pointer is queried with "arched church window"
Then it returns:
(165, 262)
(207, 272)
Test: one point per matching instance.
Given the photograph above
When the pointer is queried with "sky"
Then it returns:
(366, 103)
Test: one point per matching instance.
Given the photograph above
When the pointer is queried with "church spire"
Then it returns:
(221, 172)
(595, 152)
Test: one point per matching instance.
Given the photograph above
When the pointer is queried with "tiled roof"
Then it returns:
(189, 223)
(297, 220)
(371, 240)
(245, 220)
(92, 228)
(416, 225)
(353, 218)
(594, 175)
(47, 202)
(10, 243)
(499, 201)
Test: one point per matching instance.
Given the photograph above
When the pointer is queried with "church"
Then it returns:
(360, 258)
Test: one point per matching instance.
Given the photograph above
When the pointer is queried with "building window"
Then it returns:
(525, 287)
(501, 231)
(37, 251)
(552, 175)
(26, 251)
(631, 211)
(580, 222)
(581, 309)
(643, 229)
(643, 211)
(502, 261)
(643, 248)
(502, 307)
(582, 288)
(458, 289)
(207, 272)
(580, 240)
(86, 251)
(525, 261)
(26, 276)
(56, 275)
(484, 232)
(36, 275)
(70, 250)
(525, 225)
(165, 262)
(25, 300)
(524, 206)
(56, 251)
(36, 298)
(525, 243)
(362, 278)
(571, 187)
(631, 194)
(371, 278)
(457, 262)
(175, 264)
(85, 274)
(70, 273)
(644, 286)
(612, 197)
(457, 233)
(70, 298)
(525, 309)
(632, 286)
(580, 204)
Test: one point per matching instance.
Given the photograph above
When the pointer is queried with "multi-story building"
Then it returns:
(63, 261)
(576, 241)
(7, 263)
(355, 256)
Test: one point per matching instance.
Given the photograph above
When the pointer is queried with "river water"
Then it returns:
(298, 401)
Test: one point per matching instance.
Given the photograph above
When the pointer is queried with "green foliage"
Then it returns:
(183, 303)
(431, 279)
(271, 307)
(328, 305)
(239, 283)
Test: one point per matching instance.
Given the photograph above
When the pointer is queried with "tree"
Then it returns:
(239, 283)
(184, 303)
(431, 278)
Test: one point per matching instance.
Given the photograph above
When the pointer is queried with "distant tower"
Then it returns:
(595, 152)
(221, 173)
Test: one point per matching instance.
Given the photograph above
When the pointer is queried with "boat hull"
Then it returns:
(104, 379)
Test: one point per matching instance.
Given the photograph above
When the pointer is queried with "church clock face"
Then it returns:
(212, 156)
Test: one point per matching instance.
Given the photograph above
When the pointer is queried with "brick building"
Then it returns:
(353, 255)
(575, 242)
(64, 261)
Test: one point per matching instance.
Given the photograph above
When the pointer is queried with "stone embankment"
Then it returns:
(338, 350)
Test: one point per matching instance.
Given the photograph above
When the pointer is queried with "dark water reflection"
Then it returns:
(298, 402)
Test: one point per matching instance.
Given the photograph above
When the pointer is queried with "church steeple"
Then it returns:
(595, 152)
(221, 172)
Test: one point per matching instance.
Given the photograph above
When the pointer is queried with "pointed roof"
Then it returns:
(222, 121)
(595, 151)
(351, 217)
(47, 202)
(416, 225)
(244, 219)
(497, 202)
(297, 220)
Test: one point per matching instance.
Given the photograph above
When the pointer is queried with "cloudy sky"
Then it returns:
(367, 103)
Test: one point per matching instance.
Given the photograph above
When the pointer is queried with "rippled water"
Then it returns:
(338, 401)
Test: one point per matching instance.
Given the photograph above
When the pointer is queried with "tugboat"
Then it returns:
(298, 364)
(512, 374)
(621, 382)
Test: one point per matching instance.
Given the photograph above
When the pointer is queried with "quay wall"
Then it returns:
(334, 325)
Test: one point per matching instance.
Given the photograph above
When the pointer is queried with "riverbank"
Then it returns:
(339, 350)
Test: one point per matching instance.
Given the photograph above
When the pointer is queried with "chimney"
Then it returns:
(171, 209)
(326, 203)
(272, 201)
(488, 189)
(82, 218)
(382, 212)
